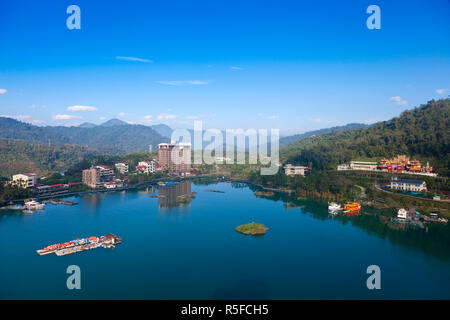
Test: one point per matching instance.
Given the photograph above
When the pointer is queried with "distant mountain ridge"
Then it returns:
(162, 129)
(297, 137)
(114, 133)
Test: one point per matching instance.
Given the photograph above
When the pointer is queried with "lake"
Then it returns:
(189, 249)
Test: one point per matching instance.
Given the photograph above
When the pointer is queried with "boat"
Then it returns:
(333, 207)
(354, 207)
(402, 213)
(34, 205)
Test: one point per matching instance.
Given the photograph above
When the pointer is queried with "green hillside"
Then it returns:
(19, 156)
(421, 133)
(120, 135)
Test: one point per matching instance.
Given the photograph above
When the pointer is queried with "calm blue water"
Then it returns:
(193, 252)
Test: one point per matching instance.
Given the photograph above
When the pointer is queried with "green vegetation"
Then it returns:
(421, 133)
(297, 137)
(9, 192)
(252, 228)
(20, 156)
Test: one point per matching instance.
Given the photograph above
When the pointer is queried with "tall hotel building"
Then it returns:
(175, 157)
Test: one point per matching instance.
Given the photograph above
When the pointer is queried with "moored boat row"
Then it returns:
(78, 245)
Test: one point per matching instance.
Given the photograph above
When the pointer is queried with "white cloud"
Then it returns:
(122, 114)
(65, 117)
(274, 116)
(441, 91)
(398, 100)
(81, 108)
(165, 116)
(37, 122)
(193, 117)
(133, 59)
(235, 68)
(102, 118)
(3, 91)
(148, 118)
(185, 82)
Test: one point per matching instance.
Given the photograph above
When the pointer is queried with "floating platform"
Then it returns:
(79, 245)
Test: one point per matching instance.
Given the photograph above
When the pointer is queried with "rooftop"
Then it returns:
(408, 181)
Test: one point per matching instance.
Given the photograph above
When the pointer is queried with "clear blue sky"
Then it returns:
(293, 65)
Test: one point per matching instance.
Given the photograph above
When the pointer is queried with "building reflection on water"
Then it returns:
(175, 195)
(92, 201)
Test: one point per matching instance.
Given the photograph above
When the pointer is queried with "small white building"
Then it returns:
(24, 180)
(291, 170)
(122, 167)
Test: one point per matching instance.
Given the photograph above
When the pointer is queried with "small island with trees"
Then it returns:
(252, 228)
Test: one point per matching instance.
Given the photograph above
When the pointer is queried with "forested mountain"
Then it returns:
(297, 137)
(421, 133)
(21, 156)
(114, 133)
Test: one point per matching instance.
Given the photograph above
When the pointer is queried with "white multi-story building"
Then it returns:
(408, 185)
(122, 167)
(359, 165)
(24, 180)
(146, 167)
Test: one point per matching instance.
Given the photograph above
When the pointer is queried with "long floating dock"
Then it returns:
(79, 245)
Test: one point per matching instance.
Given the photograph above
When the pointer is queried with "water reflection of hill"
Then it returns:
(432, 239)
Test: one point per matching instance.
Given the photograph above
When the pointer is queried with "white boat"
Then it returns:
(333, 207)
(402, 213)
(34, 205)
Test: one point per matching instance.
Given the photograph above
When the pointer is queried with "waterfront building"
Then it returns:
(91, 177)
(291, 170)
(408, 185)
(122, 167)
(175, 158)
(24, 180)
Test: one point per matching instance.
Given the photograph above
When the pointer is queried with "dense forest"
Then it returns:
(421, 133)
(20, 156)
